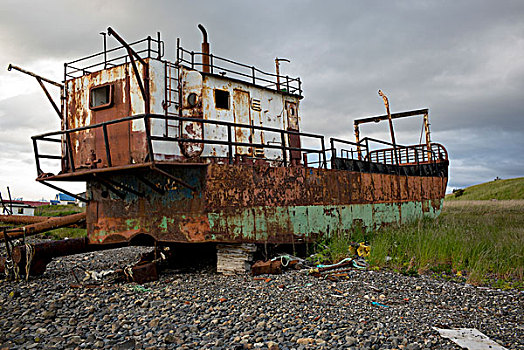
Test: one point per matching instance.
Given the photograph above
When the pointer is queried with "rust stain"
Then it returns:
(195, 228)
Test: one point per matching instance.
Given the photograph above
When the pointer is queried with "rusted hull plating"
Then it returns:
(260, 204)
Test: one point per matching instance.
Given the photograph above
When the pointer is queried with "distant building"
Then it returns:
(21, 207)
(63, 199)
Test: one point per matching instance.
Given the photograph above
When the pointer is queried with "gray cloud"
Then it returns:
(463, 60)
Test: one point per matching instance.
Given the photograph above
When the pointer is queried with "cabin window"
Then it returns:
(192, 99)
(20, 210)
(221, 99)
(101, 97)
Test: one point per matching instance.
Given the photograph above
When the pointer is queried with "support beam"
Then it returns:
(62, 190)
(144, 85)
(40, 81)
(393, 116)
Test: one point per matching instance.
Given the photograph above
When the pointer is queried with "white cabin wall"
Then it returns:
(272, 114)
(157, 88)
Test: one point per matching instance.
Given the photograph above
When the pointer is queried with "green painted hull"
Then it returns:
(239, 203)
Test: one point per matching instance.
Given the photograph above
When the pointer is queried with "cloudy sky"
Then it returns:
(462, 59)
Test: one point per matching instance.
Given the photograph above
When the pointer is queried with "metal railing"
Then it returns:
(345, 153)
(240, 71)
(145, 48)
(413, 154)
(68, 157)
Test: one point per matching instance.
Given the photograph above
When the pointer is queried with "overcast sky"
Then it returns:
(462, 59)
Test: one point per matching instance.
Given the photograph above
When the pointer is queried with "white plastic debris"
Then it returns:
(469, 338)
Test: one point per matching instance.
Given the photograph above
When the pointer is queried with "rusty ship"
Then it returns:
(209, 150)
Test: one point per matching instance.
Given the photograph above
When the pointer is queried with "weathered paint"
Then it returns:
(263, 107)
(239, 203)
(266, 108)
(127, 141)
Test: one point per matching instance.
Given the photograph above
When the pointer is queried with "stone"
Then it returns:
(126, 345)
(154, 322)
(305, 341)
(413, 346)
(49, 314)
(170, 338)
(351, 341)
(115, 327)
(272, 346)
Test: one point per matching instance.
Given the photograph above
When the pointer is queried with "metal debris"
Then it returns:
(469, 338)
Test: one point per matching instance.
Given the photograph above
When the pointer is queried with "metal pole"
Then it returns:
(324, 153)
(357, 140)
(37, 158)
(277, 70)
(11, 67)
(428, 137)
(158, 42)
(391, 131)
(205, 50)
(106, 143)
(105, 49)
(10, 199)
(283, 142)
(229, 145)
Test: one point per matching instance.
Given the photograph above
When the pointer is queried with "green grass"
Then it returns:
(481, 242)
(497, 189)
(69, 232)
(58, 210)
(61, 210)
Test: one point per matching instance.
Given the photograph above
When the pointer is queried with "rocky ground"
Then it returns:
(205, 310)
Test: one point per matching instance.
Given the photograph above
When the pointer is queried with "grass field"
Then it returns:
(61, 210)
(497, 189)
(481, 242)
(58, 210)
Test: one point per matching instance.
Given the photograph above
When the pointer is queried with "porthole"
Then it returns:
(192, 99)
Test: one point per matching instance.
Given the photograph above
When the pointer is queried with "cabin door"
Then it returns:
(292, 125)
(118, 135)
(241, 112)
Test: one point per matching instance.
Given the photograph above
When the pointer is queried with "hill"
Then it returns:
(497, 189)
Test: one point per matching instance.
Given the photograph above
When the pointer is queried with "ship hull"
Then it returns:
(237, 203)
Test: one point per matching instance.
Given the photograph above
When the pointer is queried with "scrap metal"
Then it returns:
(175, 153)
(43, 226)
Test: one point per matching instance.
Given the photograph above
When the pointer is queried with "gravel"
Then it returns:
(205, 310)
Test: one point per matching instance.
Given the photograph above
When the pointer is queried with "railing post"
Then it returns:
(211, 62)
(253, 72)
(323, 152)
(287, 83)
(147, 122)
(70, 151)
(106, 143)
(178, 51)
(37, 159)
(333, 151)
(148, 47)
(229, 145)
(192, 60)
(283, 142)
(158, 42)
